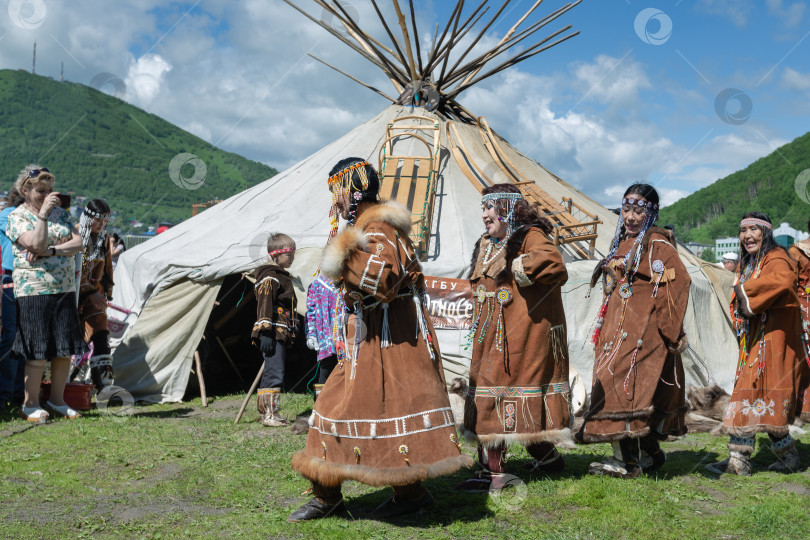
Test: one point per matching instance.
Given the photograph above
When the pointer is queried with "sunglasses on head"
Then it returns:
(33, 173)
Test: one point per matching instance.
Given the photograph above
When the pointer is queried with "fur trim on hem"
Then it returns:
(610, 437)
(743, 449)
(390, 212)
(750, 431)
(621, 415)
(558, 437)
(333, 474)
(804, 417)
(339, 250)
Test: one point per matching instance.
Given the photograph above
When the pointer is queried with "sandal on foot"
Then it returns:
(34, 414)
(64, 410)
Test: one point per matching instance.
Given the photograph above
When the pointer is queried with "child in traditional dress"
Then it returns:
(96, 288)
(275, 325)
(519, 388)
(383, 417)
(638, 394)
(765, 312)
(323, 299)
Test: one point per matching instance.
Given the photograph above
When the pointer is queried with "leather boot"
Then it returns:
(275, 419)
(787, 455)
(101, 371)
(739, 459)
(264, 404)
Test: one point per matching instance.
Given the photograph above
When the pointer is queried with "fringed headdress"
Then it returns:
(353, 182)
(93, 248)
(507, 202)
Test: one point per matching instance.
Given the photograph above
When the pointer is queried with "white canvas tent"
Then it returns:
(172, 281)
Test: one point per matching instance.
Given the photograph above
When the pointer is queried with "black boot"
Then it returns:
(316, 509)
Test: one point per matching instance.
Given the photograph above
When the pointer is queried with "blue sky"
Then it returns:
(627, 100)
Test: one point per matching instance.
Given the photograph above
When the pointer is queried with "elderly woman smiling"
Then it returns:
(44, 242)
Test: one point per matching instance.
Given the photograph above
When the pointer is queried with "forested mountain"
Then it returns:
(99, 146)
(768, 185)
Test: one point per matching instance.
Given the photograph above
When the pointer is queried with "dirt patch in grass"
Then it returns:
(794, 488)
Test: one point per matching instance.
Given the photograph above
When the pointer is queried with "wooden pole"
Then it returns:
(437, 44)
(250, 393)
(416, 41)
(390, 34)
(198, 367)
(358, 81)
(230, 360)
(407, 39)
(506, 37)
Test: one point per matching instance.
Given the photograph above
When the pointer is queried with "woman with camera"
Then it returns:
(44, 243)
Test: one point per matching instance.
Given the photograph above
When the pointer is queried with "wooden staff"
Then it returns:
(250, 393)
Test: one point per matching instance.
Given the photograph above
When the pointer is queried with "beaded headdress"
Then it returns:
(507, 202)
(650, 216)
(93, 249)
(353, 182)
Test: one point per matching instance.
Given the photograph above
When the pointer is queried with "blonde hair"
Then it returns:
(279, 241)
(26, 181)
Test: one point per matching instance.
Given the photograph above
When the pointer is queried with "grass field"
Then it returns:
(181, 471)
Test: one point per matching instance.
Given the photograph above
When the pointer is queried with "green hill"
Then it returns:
(767, 185)
(99, 146)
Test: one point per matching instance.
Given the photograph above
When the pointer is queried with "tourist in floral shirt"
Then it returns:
(44, 243)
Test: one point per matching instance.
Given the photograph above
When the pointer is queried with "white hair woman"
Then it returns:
(44, 242)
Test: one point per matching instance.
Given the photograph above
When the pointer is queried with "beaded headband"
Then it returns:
(280, 251)
(496, 196)
(96, 215)
(640, 203)
(758, 222)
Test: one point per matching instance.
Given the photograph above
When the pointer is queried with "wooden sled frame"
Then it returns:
(411, 179)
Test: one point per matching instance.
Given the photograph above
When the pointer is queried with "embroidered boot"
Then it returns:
(101, 371)
(490, 478)
(317, 388)
(787, 455)
(264, 404)
(739, 459)
(275, 420)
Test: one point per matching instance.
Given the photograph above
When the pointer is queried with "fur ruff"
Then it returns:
(743, 449)
(339, 250)
(333, 474)
(390, 212)
(750, 431)
(513, 245)
(558, 437)
(621, 415)
(610, 437)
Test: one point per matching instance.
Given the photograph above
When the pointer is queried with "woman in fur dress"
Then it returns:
(519, 389)
(765, 312)
(383, 417)
(638, 395)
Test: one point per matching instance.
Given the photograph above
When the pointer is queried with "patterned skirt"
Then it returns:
(48, 327)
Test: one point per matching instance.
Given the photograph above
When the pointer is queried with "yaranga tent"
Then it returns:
(435, 157)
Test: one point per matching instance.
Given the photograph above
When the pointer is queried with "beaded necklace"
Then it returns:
(488, 255)
(742, 324)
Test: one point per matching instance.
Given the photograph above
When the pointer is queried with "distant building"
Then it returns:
(726, 245)
(786, 236)
(698, 249)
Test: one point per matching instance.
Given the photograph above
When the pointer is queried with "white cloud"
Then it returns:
(145, 77)
(795, 80)
(736, 11)
(615, 81)
(791, 15)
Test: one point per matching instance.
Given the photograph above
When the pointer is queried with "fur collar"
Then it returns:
(390, 212)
